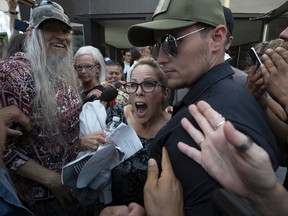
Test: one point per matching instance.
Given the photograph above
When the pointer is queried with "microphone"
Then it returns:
(117, 85)
(108, 94)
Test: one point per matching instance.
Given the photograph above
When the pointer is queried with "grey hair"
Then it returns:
(97, 57)
(48, 70)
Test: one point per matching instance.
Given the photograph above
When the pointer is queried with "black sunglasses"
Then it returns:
(169, 44)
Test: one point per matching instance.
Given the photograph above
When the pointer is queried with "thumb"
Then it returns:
(12, 132)
(152, 173)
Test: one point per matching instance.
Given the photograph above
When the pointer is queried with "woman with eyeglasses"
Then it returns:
(90, 66)
(148, 93)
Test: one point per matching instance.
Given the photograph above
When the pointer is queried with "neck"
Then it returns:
(88, 85)
(150, 128)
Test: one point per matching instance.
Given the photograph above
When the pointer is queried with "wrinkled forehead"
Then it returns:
(113, 68)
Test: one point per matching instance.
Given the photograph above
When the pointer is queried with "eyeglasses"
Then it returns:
(169, 44)
(87, 67)
(146, 86)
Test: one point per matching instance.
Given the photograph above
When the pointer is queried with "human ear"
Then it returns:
(219, 37)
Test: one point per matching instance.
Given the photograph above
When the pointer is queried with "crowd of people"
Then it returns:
(228, 129)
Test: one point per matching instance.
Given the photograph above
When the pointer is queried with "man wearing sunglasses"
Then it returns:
(43, 84)
(188, 39)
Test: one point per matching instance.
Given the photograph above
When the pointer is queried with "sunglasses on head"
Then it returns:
(48, 2)
(169, 44)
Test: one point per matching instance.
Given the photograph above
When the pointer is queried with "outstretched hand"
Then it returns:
(162, 195)
(243, 172)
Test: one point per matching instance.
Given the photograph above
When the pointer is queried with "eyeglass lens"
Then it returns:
(169, 44)
(86, 67)
(146, 86)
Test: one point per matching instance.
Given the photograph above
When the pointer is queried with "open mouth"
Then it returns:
(141, 107)
(57, 44)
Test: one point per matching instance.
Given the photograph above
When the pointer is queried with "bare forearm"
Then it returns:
(271, 202)
(38, 173)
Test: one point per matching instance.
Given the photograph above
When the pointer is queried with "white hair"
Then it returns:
(49, 70)
(97, 57)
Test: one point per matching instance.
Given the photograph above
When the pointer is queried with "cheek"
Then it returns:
(131, 98)
(155, 101)
(69, 39)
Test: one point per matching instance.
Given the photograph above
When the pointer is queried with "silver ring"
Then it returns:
(202, 140)
(244, 146)
(220, 123)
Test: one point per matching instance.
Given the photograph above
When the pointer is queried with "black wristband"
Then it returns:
(14, 13)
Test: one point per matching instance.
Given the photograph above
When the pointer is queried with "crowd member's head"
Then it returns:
(147, 90)
(284, 36)
(90, 65)
(140, 52)
(127, 57)
(186, 37)
(114, 72)
(49, 49)
(16, 44)
(260, 48)
(230, 25)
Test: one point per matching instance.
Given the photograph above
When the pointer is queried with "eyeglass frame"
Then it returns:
(165, 39)
(87, 67)
(140, 84)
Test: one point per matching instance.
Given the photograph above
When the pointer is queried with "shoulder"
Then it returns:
(15, 65)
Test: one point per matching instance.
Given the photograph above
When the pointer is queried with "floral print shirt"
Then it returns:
(17, 87)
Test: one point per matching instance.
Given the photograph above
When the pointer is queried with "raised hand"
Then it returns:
(275, 74)
(226, 154)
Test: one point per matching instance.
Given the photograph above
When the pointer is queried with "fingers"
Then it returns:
(215, 119)
(196, 135)
(273, 60)
(236, 138)
(12, 132)
(166, 164)
(191, 152)
(200, 119)
(283, 53)
(93, 140)
(152, 174)
(24, 121)
(153, 171)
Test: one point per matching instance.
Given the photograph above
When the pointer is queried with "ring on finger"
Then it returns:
(245, 145)
(220, 123)
(201, 141)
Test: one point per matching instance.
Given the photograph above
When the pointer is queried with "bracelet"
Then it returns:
(14, 13)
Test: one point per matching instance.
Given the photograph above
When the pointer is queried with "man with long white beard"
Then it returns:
(43, 84)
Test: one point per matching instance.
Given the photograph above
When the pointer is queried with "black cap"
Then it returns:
(229, 19)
